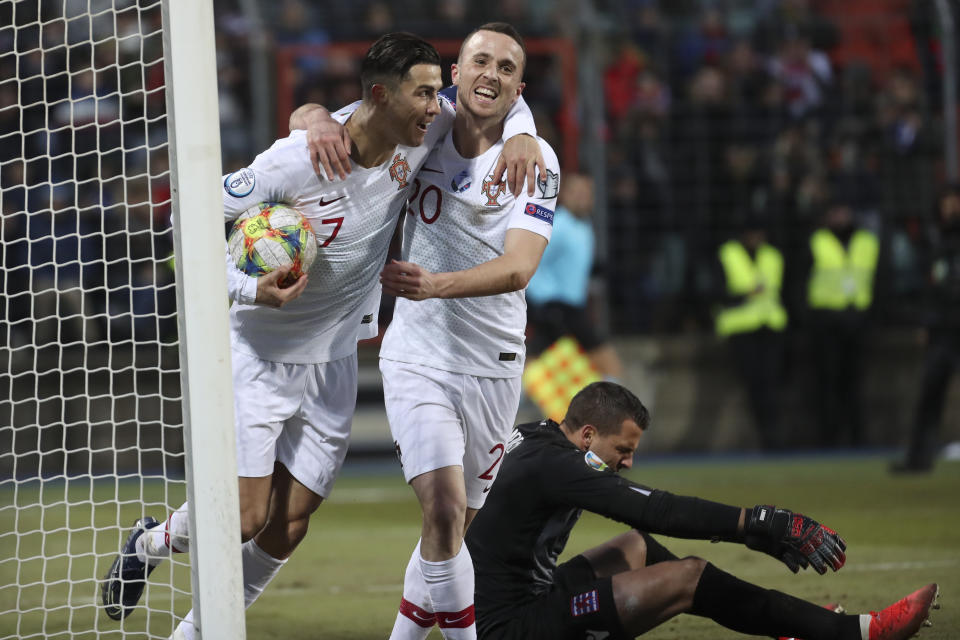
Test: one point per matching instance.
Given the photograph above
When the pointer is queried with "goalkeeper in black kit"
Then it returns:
(632, 583)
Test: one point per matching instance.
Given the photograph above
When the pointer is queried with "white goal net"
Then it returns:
(91, 417)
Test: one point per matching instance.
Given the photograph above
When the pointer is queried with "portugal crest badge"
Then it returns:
(492, 190)
(400, 170)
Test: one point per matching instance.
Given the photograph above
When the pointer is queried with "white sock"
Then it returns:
(259, 568)
(450, 584)
(865, 626)
(171, 536)
(415, 618)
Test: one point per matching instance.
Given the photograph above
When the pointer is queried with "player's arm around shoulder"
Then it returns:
(328, 141)
(531, 220)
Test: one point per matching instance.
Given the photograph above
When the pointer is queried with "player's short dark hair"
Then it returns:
(506, 29)
(389, 59)
(605, 405)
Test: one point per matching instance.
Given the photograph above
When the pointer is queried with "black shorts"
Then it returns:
(553, 320)
(579, 607)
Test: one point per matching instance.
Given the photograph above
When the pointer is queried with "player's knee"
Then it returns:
(445, 516)
(252, 521)
(296, 531)
(692, 568)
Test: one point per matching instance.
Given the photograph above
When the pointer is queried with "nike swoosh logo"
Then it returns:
(429, 170)
(416, 614)
(485, 489)
(323, 204)
(455, 620)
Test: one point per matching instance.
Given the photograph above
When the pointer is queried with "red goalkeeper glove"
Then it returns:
(794, 539)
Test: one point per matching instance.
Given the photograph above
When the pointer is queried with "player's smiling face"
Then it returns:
(617, 449)
(488, 74)
(413, 103)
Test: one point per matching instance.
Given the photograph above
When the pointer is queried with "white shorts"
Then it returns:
(297, 414)
(441, 419)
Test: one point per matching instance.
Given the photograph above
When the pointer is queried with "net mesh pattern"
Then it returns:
(91, 435)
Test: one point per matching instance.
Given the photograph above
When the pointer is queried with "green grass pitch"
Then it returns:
(344, 581)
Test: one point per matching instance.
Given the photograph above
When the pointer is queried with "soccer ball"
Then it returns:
(272, 235)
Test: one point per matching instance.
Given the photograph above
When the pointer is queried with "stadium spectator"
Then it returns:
(805, 74)
(620, 81)
(702, 44)
(907, 147)
(628, 585)
(839, 294)
(557, 293)
(751, 318)
(941, 333)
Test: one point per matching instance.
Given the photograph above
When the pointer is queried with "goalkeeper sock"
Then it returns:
(415, 618)
(750, 609)
(259, 568)
(450, 583)
(171, 536)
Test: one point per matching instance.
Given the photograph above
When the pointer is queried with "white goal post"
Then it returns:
(114, 342)
(193, 117)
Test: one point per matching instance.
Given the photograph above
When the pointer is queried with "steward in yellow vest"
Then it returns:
(843, 262)
(751, 319)
(842, 275)
(754, 279)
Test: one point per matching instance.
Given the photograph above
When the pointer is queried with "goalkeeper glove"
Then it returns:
(794, 539)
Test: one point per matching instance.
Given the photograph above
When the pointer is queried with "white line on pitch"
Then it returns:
(900, 566)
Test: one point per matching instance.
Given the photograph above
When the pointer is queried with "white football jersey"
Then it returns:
(354, 220)
(457, 218)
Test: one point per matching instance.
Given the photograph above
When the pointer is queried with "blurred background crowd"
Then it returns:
(698, 122)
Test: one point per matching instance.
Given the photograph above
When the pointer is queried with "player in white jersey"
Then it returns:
(453, 355)
(452, 366)
(294, 349)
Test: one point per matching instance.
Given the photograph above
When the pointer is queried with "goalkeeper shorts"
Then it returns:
(580, 606)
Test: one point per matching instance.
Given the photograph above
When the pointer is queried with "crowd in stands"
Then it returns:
(716, 110)
(84, 173)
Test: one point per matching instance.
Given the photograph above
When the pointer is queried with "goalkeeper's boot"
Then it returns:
(124, 583)
(903, 618)
(833, 606)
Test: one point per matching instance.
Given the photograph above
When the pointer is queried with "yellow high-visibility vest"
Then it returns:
(744, 276)
(842, 276)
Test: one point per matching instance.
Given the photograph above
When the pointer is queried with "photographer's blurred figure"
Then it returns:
(941, 333)
(557, 293)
